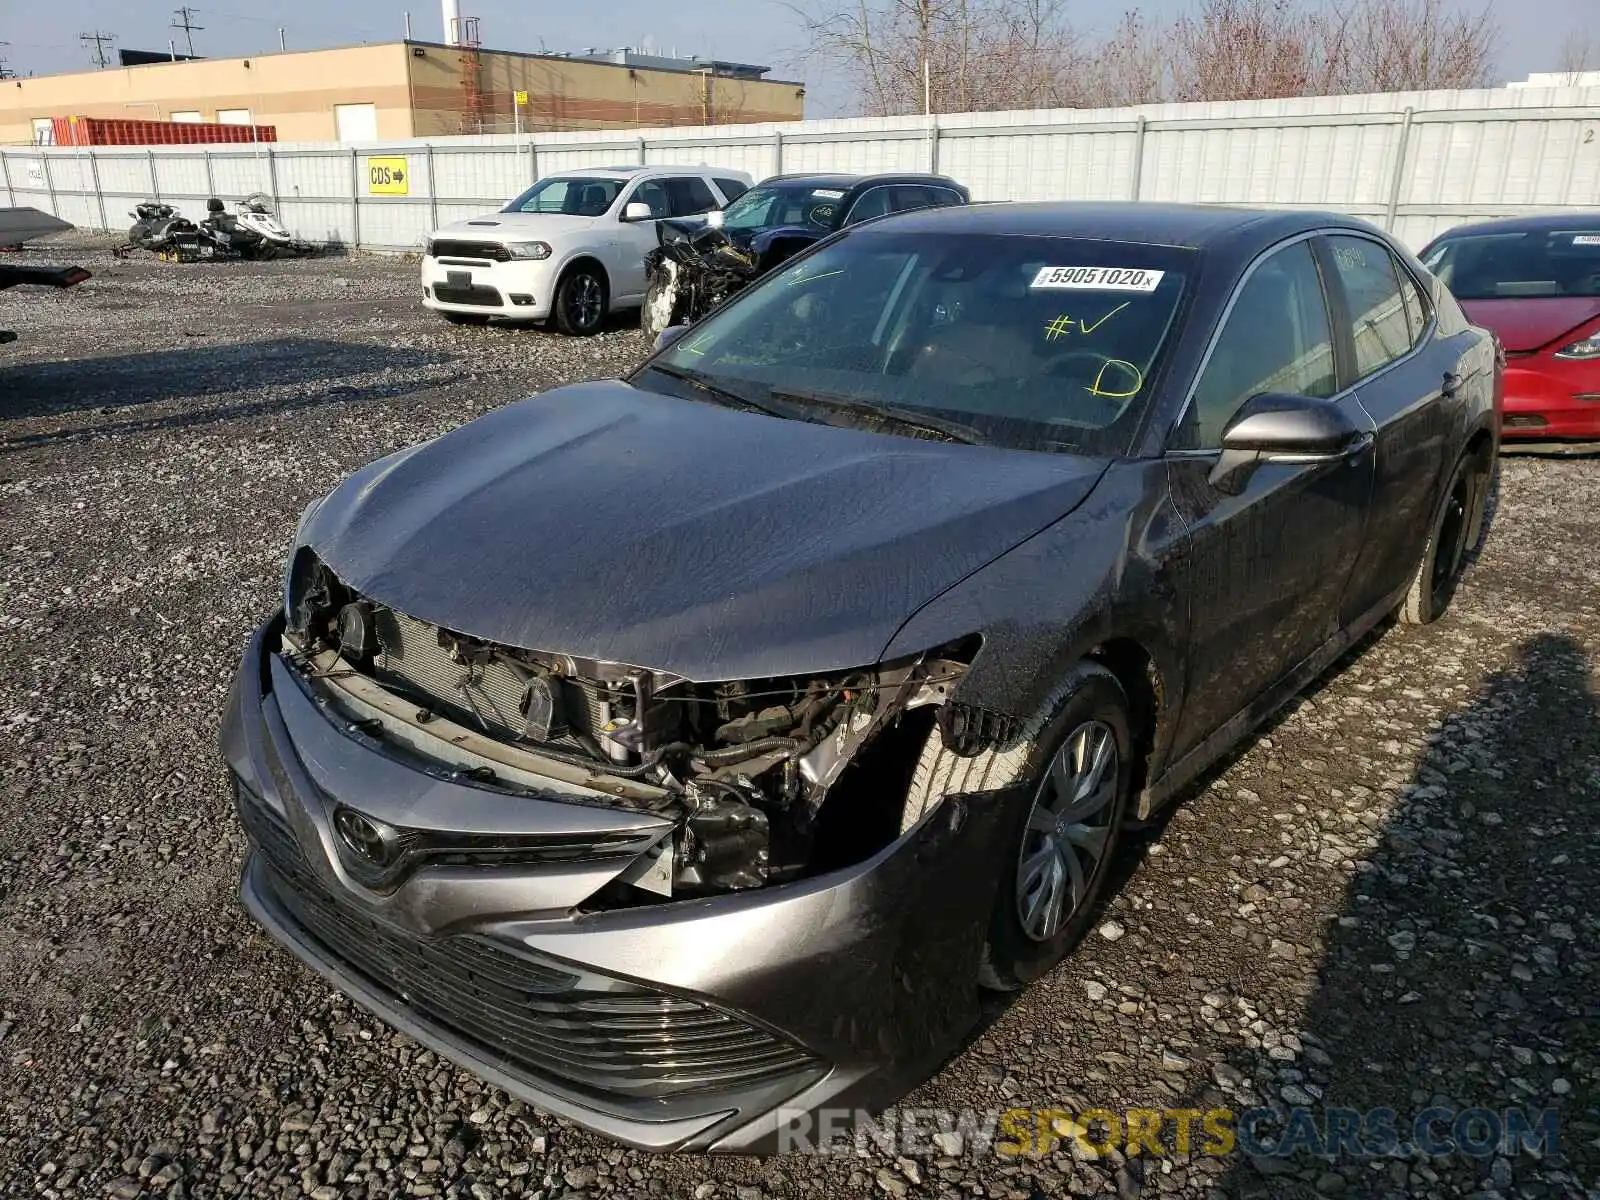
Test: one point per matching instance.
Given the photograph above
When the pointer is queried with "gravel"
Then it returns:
(1390, 898)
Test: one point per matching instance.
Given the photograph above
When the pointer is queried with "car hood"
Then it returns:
(492, 226)
(607, 522)
(1528, 323)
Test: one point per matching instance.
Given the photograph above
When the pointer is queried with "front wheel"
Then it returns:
(660, 305)
(580, 302)
(1079, 765)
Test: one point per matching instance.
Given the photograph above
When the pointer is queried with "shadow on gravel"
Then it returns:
(1462, 971)
(81, 384)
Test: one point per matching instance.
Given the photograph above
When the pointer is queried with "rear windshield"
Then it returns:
(1039, 343)
(1496, 266)
(771, 206)
(579, 197)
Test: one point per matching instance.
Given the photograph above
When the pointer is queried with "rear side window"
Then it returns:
(689, 195)
(731, 189)
(1378, 318)
(874, 202)
(1416, 306)
(1276, 339)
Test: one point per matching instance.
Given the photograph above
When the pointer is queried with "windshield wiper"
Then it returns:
(887, 415)
(700, 381)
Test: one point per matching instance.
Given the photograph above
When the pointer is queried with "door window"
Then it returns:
(652, 193)
(1276, 339)
(1416, 306)
(689, 196)
(874, 202)
(732, 189)
(1377, 312)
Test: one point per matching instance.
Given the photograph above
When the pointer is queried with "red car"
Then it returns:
(1535, 281)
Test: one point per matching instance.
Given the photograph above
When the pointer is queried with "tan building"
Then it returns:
(407, 89)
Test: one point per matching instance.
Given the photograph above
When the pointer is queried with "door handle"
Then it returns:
(1452, 382)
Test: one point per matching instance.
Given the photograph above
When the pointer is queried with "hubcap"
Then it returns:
(1067, 830)
(584, 301)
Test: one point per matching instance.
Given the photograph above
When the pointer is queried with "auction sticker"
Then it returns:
(1097, 279)
(828, 194)
(1586, 239)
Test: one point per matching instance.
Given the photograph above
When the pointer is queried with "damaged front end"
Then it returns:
(690, 272)
(764, 781)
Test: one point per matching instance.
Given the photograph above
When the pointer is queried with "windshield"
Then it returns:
(779, 204)
(1038, 343)
(583, 196)
(1498, 266)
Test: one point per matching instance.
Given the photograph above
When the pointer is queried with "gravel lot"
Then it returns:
(1391, 899)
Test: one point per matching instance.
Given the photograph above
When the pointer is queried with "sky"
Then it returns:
(44, 38)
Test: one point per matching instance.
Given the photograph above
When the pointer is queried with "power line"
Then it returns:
(101, 41)
(183, 19)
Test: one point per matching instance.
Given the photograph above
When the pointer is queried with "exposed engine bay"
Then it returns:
(692, 271)
(744, 768)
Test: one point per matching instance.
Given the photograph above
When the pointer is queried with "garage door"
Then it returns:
(356, 122)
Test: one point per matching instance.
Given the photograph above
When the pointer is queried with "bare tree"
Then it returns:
(973, 55)
(1402, 45)
(1580, 52)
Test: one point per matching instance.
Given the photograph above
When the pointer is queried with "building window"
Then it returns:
(44, 131)
(234, 116)
(190, 117)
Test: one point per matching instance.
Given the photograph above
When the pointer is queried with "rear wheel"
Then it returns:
(1078, 768)
(1458, 532)
(580, 301)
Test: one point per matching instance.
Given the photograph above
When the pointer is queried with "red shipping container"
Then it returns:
(106, 131)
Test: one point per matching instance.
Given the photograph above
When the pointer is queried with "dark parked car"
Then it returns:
(682, 753)
(703, 261)
(1535, 281)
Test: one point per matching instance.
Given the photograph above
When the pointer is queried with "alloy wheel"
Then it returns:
(1068, 828)
(585, 301)
(1450, 545)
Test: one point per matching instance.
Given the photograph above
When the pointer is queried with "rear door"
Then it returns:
(1267, 562)
(1406, 380)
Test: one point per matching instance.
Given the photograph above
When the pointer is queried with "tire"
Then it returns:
(581, 301)
(1455, 539)
(1089, 703)
(659, 308)
(456, 318)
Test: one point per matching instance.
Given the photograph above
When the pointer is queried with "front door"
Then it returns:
(1269, 555)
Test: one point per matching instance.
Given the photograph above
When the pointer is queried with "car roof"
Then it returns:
(1195, 226)
(634, 171)
(1541, 223)
(846, 181)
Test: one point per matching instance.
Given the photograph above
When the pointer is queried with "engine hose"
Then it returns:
(737, 754)
(609, 768)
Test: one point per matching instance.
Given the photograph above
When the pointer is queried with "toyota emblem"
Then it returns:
(371, 843)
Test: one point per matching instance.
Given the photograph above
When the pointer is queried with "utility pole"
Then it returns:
(183, 19)
(100, 41)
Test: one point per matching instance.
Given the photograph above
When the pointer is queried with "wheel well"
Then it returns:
(1480, 442)
(1136, 672)
(585, 260)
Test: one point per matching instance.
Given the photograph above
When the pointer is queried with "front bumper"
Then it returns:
(520, 290)
(706, 1024)
(1545, 402)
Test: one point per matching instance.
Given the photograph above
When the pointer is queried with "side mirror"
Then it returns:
(638, 210)
(1277, 427)
(669, 335)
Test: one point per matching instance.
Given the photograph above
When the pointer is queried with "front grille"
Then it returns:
(486, 696)
(447, 248)
(487, 297)
(602, 1037)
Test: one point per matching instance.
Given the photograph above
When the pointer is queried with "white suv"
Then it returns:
(571, 248)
